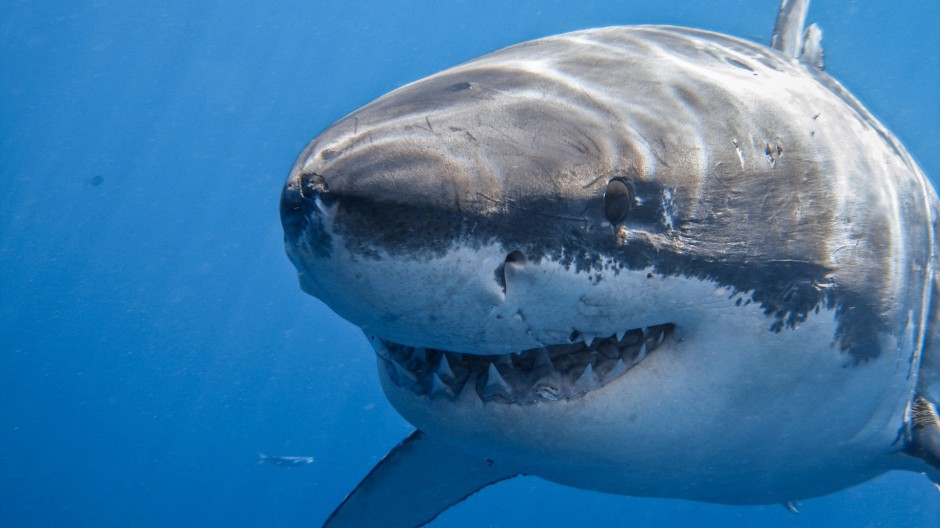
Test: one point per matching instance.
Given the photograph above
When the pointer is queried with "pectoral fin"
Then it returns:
(415, 482)
(925, 437)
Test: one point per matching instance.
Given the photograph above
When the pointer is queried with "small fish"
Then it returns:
(287, 461)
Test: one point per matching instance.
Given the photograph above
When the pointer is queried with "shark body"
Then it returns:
(649, 260)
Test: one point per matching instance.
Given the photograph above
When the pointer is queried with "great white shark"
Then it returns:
(651, 260)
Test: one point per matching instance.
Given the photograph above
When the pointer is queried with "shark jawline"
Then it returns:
(547, 374)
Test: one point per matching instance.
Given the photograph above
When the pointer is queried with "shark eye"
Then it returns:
(617, 201)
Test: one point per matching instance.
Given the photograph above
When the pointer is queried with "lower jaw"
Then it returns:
(615, 457)
(536, 376)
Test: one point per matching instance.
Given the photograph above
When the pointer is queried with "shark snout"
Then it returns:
(302, 198)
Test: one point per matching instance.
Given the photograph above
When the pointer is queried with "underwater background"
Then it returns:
(153, 337)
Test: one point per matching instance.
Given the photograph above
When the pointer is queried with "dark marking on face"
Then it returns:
(782, 275)
(648, 208)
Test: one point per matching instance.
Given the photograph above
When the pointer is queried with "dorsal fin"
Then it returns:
(788, 31)
(790, 38)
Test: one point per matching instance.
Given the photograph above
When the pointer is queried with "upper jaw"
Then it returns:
(454, 303)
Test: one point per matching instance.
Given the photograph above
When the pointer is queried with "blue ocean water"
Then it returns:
(153, 338)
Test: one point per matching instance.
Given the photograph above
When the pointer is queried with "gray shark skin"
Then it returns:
(650, 261)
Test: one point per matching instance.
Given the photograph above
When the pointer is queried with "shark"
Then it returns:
(647, 260)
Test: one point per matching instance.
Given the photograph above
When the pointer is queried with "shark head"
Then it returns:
(642, 270)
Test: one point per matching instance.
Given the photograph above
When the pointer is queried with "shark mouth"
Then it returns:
(552, 373)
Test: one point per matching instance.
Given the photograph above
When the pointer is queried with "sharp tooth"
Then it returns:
(493, 378)
(662, 337)
(589, 340)
(444, 370)
(439, 388)
(586, 380)
(495, 385)
(542, 359)
(620, 335)
(403, 374)
(642, 353)
(618, 369)
(642, 334)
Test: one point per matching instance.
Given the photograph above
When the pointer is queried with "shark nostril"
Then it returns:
(312, 184)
